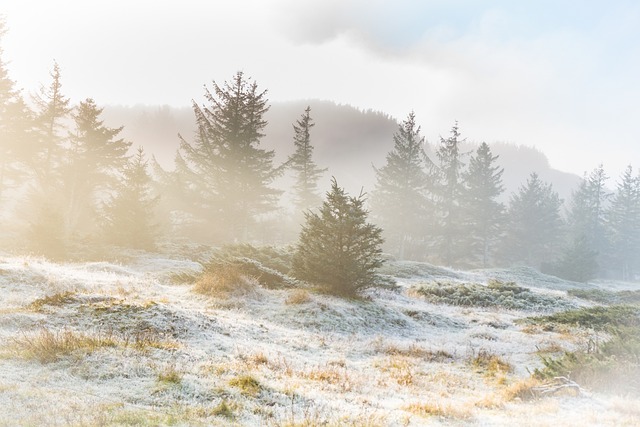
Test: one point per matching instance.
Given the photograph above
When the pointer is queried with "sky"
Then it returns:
(559, 75)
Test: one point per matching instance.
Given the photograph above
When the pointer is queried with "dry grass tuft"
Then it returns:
(490, 363)
(56, 300)
(170, 375)
(439, 410)
(524, 390)
(298, 296)
(46, 346)
(247, 385)
(259, 359)
(224, 282)
(417, 352)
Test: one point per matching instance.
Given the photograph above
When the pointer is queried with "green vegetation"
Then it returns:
(611, 364)
(607, 297)
(266, 264)
(495, 294)
(598, 318)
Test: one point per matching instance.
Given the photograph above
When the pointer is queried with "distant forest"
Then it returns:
(233, 167)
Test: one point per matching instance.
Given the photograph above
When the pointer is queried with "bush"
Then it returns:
(495, 294)
(598, 318)
(611, 365)
(267, 265)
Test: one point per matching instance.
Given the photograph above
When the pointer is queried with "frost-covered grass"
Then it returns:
(494, 294)
(129, 344)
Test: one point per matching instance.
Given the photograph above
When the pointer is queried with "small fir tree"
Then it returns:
(307, 172)
(338, 250)
(129, 214)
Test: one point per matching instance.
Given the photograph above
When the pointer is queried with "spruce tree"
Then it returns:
(586, 223)
(15, 127)
(534, 225)
(338, 250)
(450, 236)
(400, 200)
(129, 214)
(227, 169)
(52, 111)
(47, 211)
(485, 214)
(624, 226)
(301, 161)
(95, 157)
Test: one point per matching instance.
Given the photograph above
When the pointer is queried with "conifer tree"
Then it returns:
(338, 249)
(400, 200)
(485, 214)
(48, 230)
(534, 226)
(95, 157)
(586, 225)
(624, 226)
(15, 127)
(52, 111)
(451, 232)
(129, 214)
(307, 172)
(227, 169)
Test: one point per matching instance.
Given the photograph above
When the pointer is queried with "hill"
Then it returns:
(127, 343)
(347, 140)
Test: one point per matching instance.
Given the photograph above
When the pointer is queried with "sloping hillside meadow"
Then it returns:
(130, 342)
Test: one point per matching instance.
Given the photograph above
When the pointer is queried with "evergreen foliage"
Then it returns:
(15, 127)
(451, 236)
(129, 214)
(485, 214)
(95, 158)
(534, 226)
(624, 226)
(400, 200)
(224, 168)
(338, 250)
(52, 111)
(307, 172)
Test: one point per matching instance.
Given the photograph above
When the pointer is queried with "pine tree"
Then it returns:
(227, 169)
(52, 111)
(624, 226)
(534, 226)
(400, 200)
(15, 127)
(485, 214)
(94, 159)
(450, 199)
(307, 172)
(338, 249)
(586, 220)
(129, 214)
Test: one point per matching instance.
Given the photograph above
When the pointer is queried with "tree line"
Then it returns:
(74, 181)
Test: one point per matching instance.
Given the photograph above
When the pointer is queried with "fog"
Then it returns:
(545, 75)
